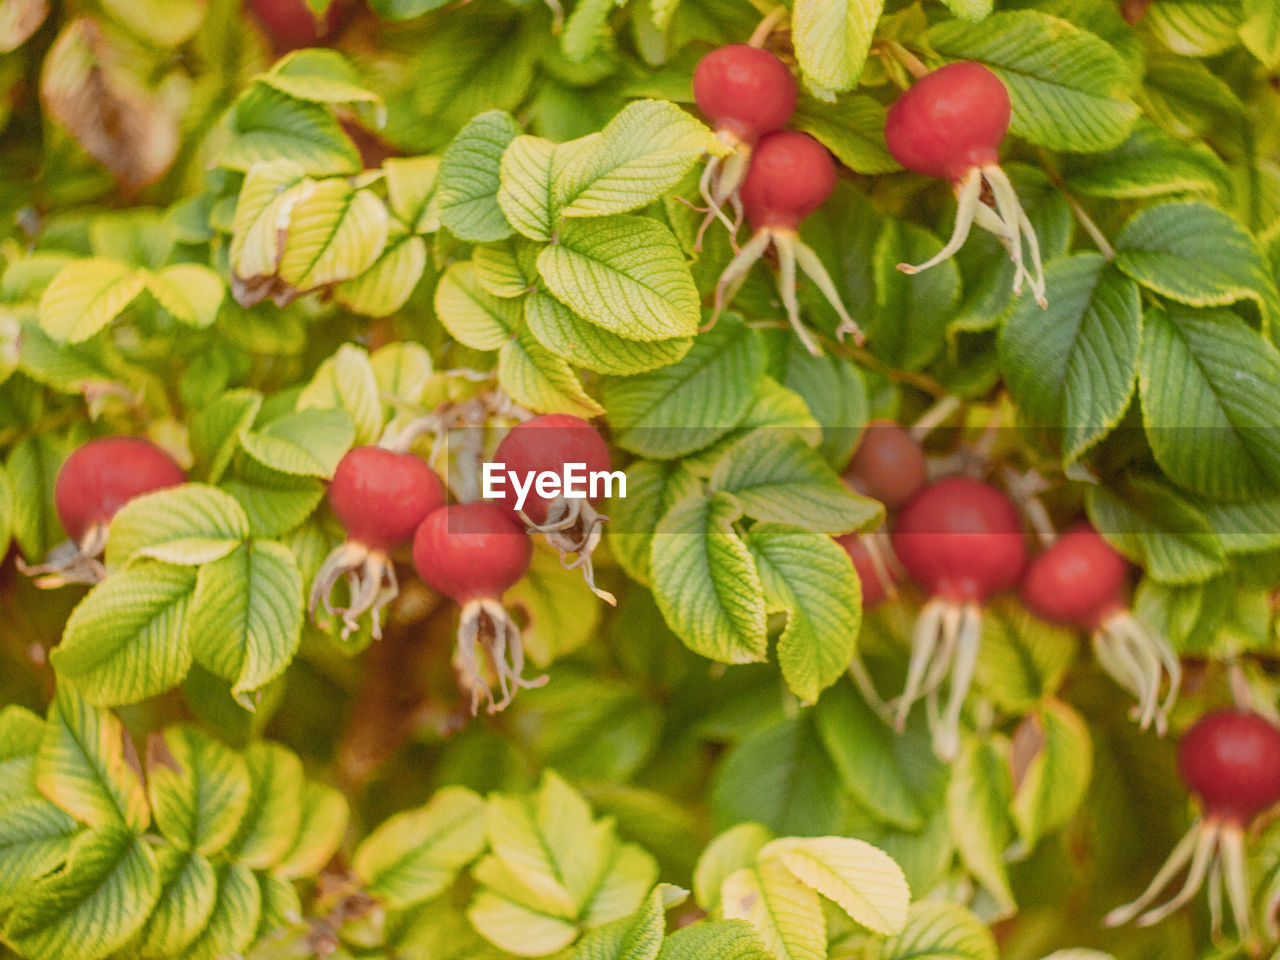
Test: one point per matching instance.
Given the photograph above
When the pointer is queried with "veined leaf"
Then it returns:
(274, 812)
(859, 878)
(809, 577)
(912, 313)
(832, 38)
(411, 190)
(504, 268)
(92, 907)
(1053, 784)
(1068, 88)
(1071, 368)
(271, 125)
(85, 296)
(199, 789)
(1151, 163)
(784, 912)
(653, 487)
(776, 476)
(641, 154)
(35, 837)
(852, 128)
(127, 639)
(1156, 527)
(472, 315)
(415, 855)
(188, 890)
(526, 173)
(1201, 29)
(187, 525)
(706, 582)
(335, 233)
(323, 823)
(1260, 31)
(234, 920)
(346, 381)
(940, 931)
(274, 502)
(635, 937)
(1211, 402)
(978, 800)
(191, 293)
(624, 273)
(719, 939)
(541, 381)
(467, 185)
(307, 443)
(263, 212)
(317, 75)
(728, 853)
(592, 347)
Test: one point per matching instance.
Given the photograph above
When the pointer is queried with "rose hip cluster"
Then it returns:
(471, 552)
(962, 540)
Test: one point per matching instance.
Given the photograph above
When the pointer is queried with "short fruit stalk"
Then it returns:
(746, 92)
(962, 540)
(1230, 759)
(790, 176)
(380, 497)
(572, 525)
(99, 478)
(473, 553)
(1080, 581)
(950, 125)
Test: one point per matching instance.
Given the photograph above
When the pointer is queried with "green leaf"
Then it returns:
(35, 837)
(1260, 31)
(586, 29)
(346, 381)
(316, 75)
(85, 296)
(415, 855)
(1069, 89)
(1053, 783)
(706, 582)
(729, 852)
(86, 765)
(1196, 29)
(786, 913)
(402, 370)
(92, 907)
(472, 315)
(653, 487)
(1197, 255)
(274, 502)
(306, 443)
(191, 293)
(467, 187)
(1151, 163)
(678, 409)
(127, 639)
(868, 755)
(640, 155)
(978, 800)
(215, 431)
(777, 476)
(624, 273)
(246, 615)
(501, 267)
(715, 940)
(1210, 396)
(335, 233)
(274, 812)
(940, 931)
(586, 345)
(1022, 659)
(270, 125)
(20, 734)
(526, 174)
(781, 777)
(859, 878)
(636, 937)
(234, 920)
(912, 312)
(323, 824)
(852, 128)
(1245, 527)
(832, 38)
(199, 789)
(809, 577)
(836, 393)
(1156, 527)
(188, 891)
(539, 380)
(411, 191)
(164, 23)
(1071, 368)
(6, 511)
(187, 525)
(970, 9)
(263, 211)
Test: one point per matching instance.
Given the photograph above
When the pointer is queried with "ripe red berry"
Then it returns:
(471, 551)
(874, 588)
(548, 443)
(101, 476)
(1231, 760)
(1078, 581)
(961, 539)
(888, 464)
(950, 122)
(789, 177)
(380, 496)
(744, 90)
(292, 25)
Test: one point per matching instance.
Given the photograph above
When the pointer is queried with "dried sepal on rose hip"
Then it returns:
(473, 553)
(1080, 581)
(962, 540)
(789, 177)
(949, 125)
(746, 92)
(1230, 760)
(380, 496)
(99, 478)
(572, 525)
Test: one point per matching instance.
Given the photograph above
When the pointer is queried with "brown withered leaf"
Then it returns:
(19, 19)
(84, 89)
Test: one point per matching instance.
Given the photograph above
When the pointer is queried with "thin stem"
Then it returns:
(934, 417)
(765, 27)
(915, 66)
